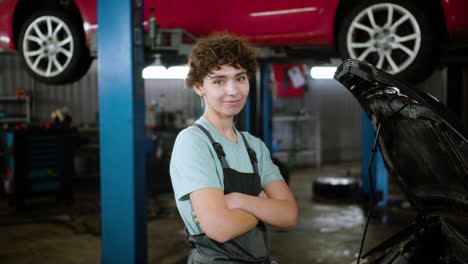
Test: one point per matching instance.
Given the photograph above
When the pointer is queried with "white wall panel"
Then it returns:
(340, 116)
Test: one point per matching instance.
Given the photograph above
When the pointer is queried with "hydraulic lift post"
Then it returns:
(258, 111)
(266, 103)
(121, 132)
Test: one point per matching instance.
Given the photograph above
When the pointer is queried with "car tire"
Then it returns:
(52, 47)
(339, 188)
(403, 44)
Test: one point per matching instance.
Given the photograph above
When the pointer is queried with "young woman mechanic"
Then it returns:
(225, 183)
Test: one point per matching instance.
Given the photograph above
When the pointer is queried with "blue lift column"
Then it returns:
(121, 128)
(378, 170)
(252, 106)
(248, 113)
(266, 104)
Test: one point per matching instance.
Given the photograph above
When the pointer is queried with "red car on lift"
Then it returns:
(403, 37)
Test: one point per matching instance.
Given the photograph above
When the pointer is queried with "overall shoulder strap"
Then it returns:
(217, 147)
(252, 154)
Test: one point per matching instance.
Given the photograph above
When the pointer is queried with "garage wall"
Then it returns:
(172, 96)
(436, 85)
(80, 97)
(340, 117)
(341, 114)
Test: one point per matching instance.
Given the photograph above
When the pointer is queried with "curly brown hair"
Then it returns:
(218, 49)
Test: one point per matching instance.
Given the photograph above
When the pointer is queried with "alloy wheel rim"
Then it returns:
(385, 35)
(48, 46)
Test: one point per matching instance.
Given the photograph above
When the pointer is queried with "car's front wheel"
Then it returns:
(52, 47)
(393, 35)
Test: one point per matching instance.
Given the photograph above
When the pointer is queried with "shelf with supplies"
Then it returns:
(304, 140)
(7, 116)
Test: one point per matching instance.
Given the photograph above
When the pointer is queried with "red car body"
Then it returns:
(264, 24)
(278, 22)
(293, 23)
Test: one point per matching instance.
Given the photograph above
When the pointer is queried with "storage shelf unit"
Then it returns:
(315, 151)
(41, 162)
(24, 117)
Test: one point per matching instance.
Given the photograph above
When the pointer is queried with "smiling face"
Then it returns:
(224, 91)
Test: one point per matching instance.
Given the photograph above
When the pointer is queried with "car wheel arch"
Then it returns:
(434, 7)
(26, 8)
(56, 54)
(418, 68)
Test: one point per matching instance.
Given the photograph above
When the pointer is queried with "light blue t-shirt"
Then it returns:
(195, 165)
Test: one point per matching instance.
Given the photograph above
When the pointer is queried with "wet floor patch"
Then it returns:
(326, 232)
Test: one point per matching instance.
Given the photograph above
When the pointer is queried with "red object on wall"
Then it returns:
(290, 80)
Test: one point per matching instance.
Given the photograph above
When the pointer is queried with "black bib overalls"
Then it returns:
(251, 247)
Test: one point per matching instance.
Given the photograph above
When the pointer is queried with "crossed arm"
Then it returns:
(224, 217)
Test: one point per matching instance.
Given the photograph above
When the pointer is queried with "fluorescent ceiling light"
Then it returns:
(160, 72)
(322, 72)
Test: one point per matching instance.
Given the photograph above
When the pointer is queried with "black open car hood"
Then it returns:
(422, 145)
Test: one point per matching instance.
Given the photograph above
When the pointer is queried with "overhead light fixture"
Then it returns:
(322, 72)
(160, 72)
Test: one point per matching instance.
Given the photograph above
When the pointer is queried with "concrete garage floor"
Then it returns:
(327, 232)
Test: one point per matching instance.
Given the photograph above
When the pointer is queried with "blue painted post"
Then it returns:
(378, 170)
(267, 102)
(250, 110)
(121, 131)
(247, 115)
